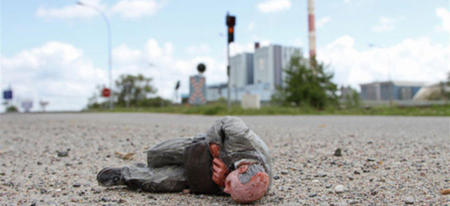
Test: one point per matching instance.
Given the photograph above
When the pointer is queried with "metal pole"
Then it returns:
(108, 27)
(229, 74)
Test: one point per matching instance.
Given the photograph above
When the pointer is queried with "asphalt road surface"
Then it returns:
(385, 160)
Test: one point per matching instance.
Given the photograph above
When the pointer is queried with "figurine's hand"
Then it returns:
(214, 150)
(219, 172)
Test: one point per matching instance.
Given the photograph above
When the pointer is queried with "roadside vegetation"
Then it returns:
(221, 109)
(308, 90)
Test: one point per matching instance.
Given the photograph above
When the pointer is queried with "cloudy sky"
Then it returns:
(55, 50)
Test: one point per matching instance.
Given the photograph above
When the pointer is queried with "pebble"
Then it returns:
(338, 152)
(339, 188)
(409, 200)
(62, 153)
(276, 177)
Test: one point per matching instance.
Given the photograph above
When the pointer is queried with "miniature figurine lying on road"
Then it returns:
(230, 158)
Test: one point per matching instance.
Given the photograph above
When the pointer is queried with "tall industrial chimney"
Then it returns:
(311, 29)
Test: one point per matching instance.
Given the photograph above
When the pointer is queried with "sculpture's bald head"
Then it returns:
(248, 183)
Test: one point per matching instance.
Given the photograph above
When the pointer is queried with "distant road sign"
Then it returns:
(7, 94)
(27, 105)
(106, 92)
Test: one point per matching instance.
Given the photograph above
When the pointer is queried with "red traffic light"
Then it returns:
(230, 20)
(106, 92)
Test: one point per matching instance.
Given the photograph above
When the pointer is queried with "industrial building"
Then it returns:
(258, 73)
(241, 70)
(389, 90)
(269, 63)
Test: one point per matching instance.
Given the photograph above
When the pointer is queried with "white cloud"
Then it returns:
(269, 6)
(444, 14)
(71, 11)
(61, 74)
(125, 8)
(416, 59)
(385, 24)
(322, 21)
(123, 54)
(135, 8)
(156, 60)
(237, 48)
(55, 72)
(202, 49)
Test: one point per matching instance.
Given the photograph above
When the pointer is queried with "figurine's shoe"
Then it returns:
(110, 177)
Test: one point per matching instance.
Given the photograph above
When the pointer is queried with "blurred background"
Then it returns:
(284, 56)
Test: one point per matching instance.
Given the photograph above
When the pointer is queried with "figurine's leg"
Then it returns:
(169, 152)
(163, 179)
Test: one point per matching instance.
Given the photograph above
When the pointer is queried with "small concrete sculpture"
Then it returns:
(229, 158)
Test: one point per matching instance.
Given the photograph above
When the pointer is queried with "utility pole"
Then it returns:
(230, 21)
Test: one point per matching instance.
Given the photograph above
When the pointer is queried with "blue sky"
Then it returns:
(56, 51)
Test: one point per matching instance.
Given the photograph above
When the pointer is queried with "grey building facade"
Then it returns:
(390, 90)
(258, 73)
(241, 70)
(270, 62)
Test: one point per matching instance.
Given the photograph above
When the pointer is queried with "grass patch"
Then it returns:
(221, 109)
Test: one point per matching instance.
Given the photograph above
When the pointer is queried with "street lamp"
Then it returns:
(108, 26)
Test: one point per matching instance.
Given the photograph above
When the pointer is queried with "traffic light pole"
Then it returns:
(228, 74)
(230, 21)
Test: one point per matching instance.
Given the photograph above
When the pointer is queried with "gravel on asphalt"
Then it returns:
(53, 159)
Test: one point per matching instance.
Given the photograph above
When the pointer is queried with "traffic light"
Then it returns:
(231, 22)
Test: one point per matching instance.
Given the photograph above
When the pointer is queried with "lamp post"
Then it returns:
(108, 26)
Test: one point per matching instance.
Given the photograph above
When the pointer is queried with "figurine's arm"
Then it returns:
(220, 170)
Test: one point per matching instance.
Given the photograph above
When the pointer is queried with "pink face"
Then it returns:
(251, 191)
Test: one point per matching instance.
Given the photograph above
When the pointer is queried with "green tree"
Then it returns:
(11, 109)
(307, 85)
(133, 89)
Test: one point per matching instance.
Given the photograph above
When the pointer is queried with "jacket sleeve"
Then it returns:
(238, 142)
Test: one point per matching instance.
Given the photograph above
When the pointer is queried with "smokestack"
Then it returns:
(311, 29)
(256, 45)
